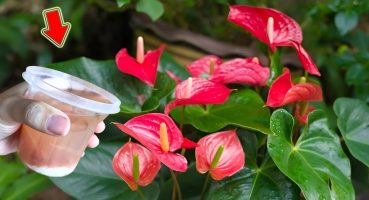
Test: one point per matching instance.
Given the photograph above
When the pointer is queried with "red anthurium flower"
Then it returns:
(198, 91)
(158, 133)
(188, 144)
(283, 91)
(273, 28)
(136, 165)
(301, 116)
(144, 67)
(204, 66)
(247, 71)
(220, 153)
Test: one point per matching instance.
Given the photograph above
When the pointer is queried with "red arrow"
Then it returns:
(56, 31)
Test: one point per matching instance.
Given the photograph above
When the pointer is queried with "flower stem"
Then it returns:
(175, 186)
(205, 186)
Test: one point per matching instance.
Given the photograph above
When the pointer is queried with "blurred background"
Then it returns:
(336, 34)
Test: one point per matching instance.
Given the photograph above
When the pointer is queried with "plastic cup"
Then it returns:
(85, 104)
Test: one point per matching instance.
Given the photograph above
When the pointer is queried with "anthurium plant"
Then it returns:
(220, 129)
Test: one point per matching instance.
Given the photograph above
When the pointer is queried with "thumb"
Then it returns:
(37, 115)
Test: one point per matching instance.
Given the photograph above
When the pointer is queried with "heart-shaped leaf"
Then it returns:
(316, 163)
(353, 122)
(244, 108)
(265, 182)
(136, 96)
(94, 178)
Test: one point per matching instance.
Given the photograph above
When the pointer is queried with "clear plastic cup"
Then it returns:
(85, 104)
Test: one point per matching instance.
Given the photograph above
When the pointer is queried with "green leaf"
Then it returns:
(353, 122)
(266, 182)
(10, 171)
(168, 63)
(94, 178)
(316, 163)
(244, 108)
(132, 92)
(346, 21)
(26, 186)
(121, 3)
(153, 8)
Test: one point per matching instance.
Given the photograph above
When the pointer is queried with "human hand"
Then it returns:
(16, 110)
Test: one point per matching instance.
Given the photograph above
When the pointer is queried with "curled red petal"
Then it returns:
(306, 60)
(255, 20)
(173, 161)
(188, 144)
(282, 91)
(173, 76)
(303, 92)
(279, 89)
(145, 71)
(243, 71)
(198, 91)
(122, 163)
(231, 160)
(202, 65)
(146, 129)
(303, 117)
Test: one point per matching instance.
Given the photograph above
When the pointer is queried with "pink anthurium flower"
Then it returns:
(144, 67)
(283, 91)
(204, 66)
(220, 153)
(160, 135)
(301, 116)
(198, 91)
(136, 165)
(247, 71)
(274, 28)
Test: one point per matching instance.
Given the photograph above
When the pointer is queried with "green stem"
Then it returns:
(275, 65)
(205, 186)
(175, 186)
(139, 192)
(183, 151)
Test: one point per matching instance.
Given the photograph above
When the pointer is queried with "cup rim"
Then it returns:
(33, 76)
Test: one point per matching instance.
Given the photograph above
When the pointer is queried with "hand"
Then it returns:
(16, 110)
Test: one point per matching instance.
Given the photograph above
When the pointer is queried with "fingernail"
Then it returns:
(57, 125)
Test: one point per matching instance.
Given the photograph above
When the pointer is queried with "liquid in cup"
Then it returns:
(85, 104)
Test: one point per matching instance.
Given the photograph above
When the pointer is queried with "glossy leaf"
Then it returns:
(26, 186)
(353, 122)
(152, 8)
(346, 21)
(316, 162)
(133, 93)
(94, 178)
(265, 182)
(244, 108)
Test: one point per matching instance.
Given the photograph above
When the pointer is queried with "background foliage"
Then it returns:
(335, 35)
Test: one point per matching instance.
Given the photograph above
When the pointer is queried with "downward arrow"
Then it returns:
(56, 31)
